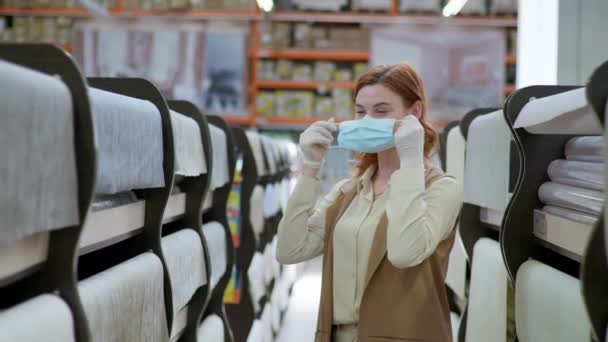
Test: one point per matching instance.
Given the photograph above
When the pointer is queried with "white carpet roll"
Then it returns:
(102, 202)
(571, 197)
(220, 173)
(455, 148)
(45, 318)
(487, 308)
(211, 329)
(586, 148)
(269, 151)
(38, 179)
(269, 259)
(255, 334)
(255, 274)
(188, 144)
(256, 211)
(129, 141)
(185, 259)
(577, 173)
(276, 267)
(266, 320)
(275, 310)
(549, 305)
(126, 302)
(256, 147)
(271, 202)
(563, 113)
(457, 268)
(573, 215)
(486, 179)
(216, 243)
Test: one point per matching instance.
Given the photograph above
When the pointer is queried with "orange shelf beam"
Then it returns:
(67, 12)
(315, 55)
(239, 120)
(509, 88)
(510, 59)
(209, 14)
(308, 85)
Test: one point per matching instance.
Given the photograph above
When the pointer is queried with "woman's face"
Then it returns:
(378, 101)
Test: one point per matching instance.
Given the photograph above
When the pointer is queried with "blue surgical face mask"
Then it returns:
(367, 135)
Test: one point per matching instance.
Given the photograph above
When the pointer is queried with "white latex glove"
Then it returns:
(314, 142)
(409, 141)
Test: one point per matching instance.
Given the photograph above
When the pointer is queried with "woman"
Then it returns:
(385, 234)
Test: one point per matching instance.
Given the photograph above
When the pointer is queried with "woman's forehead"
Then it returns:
(376, 94)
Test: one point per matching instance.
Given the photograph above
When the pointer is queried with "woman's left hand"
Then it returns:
(409, 141)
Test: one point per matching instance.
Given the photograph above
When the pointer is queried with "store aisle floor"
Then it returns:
(301, 318)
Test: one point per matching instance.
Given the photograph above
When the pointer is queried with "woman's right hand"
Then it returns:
(314, 142)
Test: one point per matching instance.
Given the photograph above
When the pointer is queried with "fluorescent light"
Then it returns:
(453, 7)
(266, 5)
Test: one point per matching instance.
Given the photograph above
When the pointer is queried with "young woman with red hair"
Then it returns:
(386, 233)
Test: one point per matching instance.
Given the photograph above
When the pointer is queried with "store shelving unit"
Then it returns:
(255, 16)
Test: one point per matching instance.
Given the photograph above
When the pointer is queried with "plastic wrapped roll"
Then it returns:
(188, 144)
(590, 149)
(111, 201)
(571, 197)
(577, 173)
(220, 170)
(569, 214)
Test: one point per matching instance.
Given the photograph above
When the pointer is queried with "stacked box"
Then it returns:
(343, 75)
(320, 38)
(359, 69)
(302, 36)
(265, 103)
(324, 107)
(266, 70)
(323, 71)
(284, 69)
(352, 38)
(302, 72)
(373, 5)
(343, 103)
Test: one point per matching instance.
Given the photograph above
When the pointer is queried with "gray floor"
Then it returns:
(301, 319)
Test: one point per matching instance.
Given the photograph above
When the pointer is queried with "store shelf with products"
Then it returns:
(300, 54)
(310, 85)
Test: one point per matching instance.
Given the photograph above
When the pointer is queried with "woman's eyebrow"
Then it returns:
(382, 104)
(359, 106)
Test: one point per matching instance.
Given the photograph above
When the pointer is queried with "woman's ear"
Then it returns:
(416, 109)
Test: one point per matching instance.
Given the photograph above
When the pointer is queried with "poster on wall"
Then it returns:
(225, 79)
(461, 68)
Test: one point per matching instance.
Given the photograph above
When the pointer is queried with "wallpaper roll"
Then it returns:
(255, 274)
(129, 141)
(271, 202)
(266, 320)
(215, 235)
(188, 144)
(573, 215)
(268, 264)
(455, 159)
(576, 173)
(38, 179)
(255, 334)
(45, 318)
(269, 152)
(211, 329)
(488, 146)
(256, 147)
(571, 197)
(185, 260)
(275, 310)
(549, 305)
(276, 267)
(563, 113)
(102, 202)
(588, 148)
(220, 173)
(256, 211)
(126, 302)
(457, 268)
(487, 310)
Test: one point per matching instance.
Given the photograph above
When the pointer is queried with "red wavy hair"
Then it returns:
(403, 80)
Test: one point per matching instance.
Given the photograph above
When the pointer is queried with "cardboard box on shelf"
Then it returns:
(320, 38)
(302, 36)
(304, 104)
(343, 103)
(349, 38)
(265, 103)
(359, 69)
(323, 71)
(324, 107)
(266, 70)
(343, 75)
(302, 72)
(284, 69)
(281, 35)
(372, 5)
